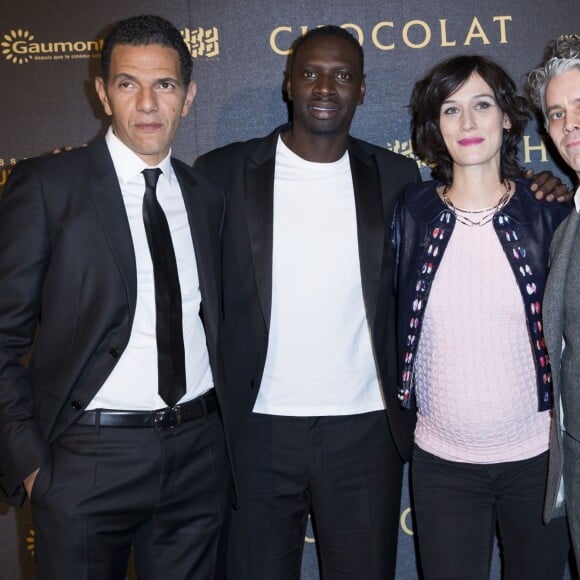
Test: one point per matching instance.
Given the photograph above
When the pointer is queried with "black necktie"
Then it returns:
(169, 329)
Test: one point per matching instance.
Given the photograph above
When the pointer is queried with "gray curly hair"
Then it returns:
(563, 55)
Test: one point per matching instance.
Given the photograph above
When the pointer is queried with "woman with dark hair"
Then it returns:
(471, 249)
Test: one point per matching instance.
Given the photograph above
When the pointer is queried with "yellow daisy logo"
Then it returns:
(30, 542)
(14, 46)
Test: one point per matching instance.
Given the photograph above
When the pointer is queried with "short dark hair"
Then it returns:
(442, 81)
(143, 30)
(328, 30)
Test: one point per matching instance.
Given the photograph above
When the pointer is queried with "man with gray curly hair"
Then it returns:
(555, 88)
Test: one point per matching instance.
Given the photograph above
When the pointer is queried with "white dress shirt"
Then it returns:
(132, 385)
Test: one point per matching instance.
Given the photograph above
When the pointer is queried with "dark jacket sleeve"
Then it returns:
(24, 255)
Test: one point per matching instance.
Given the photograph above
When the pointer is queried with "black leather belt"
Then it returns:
(166, 418)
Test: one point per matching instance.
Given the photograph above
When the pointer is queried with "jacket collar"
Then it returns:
(266, 149)
(425, 205)
(258, 188)
(108, 201)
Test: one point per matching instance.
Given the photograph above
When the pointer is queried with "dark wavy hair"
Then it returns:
(143, 30)
(442, 81)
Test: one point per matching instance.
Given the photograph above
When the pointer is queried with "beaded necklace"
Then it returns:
(477, 217)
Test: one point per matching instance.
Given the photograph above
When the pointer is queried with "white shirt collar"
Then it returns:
(128, 165)
(577, 199)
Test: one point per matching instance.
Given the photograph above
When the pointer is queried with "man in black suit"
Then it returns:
(110, 254)
(309, 339)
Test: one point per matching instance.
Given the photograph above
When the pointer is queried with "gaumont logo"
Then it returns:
(21, 47)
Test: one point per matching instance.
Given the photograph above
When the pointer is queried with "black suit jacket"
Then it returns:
(67, 262)
(245, 171)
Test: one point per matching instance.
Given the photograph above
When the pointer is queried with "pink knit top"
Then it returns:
(474, 372)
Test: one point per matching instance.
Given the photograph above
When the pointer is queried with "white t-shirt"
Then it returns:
(320, 359)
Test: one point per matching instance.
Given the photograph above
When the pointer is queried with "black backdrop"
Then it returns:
(49, 56)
